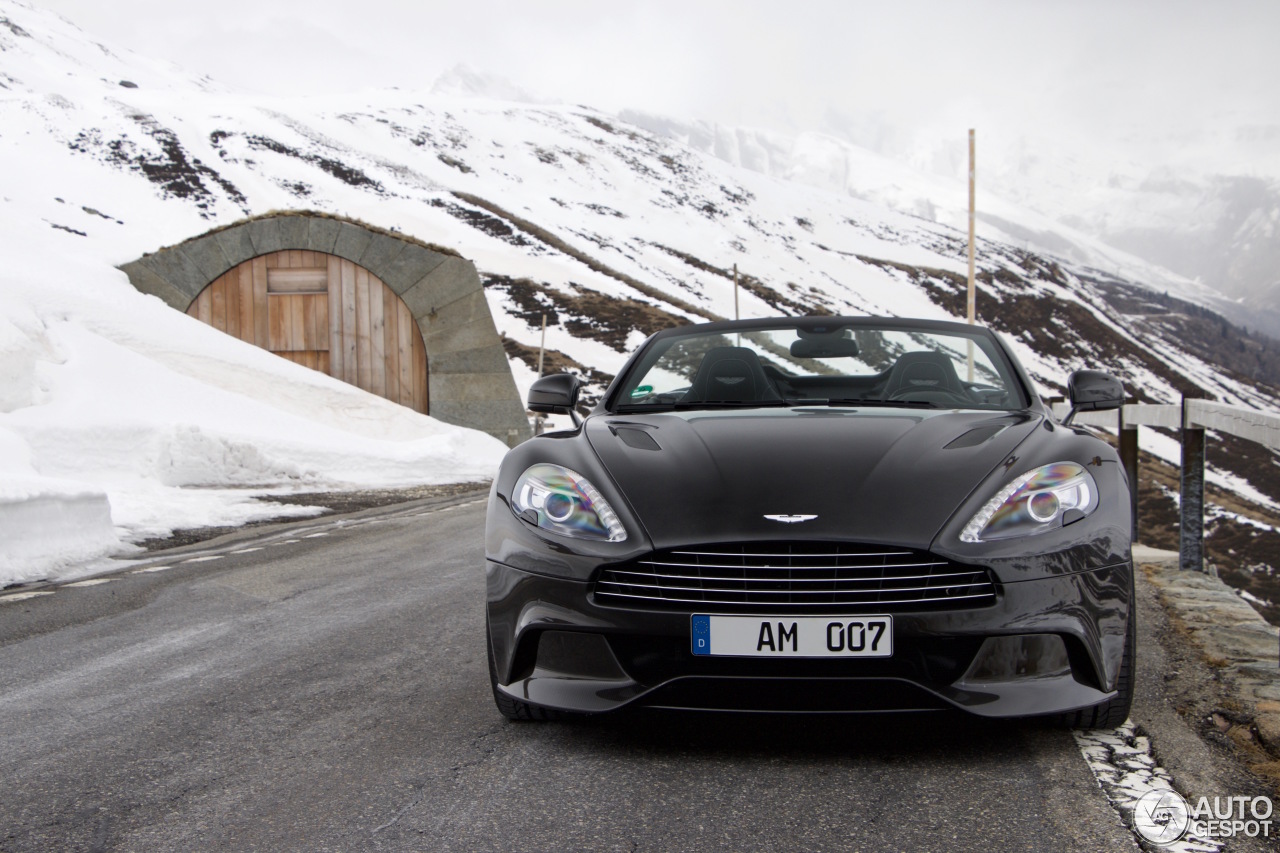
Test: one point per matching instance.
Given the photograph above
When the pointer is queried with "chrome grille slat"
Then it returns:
(740, 603)
(773, 576)
(799, 580)
(668, 588)
(788, 568)
(802, 554)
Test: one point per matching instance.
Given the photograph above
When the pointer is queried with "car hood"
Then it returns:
(885, 476)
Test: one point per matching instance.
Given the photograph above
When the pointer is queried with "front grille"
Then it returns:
(797, 576)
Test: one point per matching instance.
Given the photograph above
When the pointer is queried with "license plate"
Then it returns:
(793, 636)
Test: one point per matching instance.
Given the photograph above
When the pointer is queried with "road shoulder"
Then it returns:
(1220, 672)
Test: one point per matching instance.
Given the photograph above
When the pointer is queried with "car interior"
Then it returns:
(735, 374)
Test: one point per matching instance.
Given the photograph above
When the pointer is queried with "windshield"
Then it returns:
(834, 365)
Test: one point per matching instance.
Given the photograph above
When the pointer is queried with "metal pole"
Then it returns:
(1129, 459)
(735, 292)
(542, 348)
(738, 342)
(539, 422)
(972, 302)
(1191, 497)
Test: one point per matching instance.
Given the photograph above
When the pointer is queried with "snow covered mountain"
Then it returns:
(1188, 205)
(1216, 230)
(609, 229)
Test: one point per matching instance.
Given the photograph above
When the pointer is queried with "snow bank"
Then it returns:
(122, 419)
(45, 531)
(46, 524)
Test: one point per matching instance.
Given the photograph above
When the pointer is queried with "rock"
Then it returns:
(1241, 736)
(1267, 723)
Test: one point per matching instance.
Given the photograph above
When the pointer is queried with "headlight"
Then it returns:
(563, 501)
(1034, 503)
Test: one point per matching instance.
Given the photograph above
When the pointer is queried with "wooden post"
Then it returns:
(972, 302)
(1191, 497)
(1129, 459)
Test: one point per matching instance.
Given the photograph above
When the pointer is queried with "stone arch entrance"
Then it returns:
(326, 313)
(469, 381)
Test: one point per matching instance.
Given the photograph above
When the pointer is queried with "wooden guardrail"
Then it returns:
(1191, 418)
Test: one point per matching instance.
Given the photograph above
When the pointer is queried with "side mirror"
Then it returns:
(556, 395)
(1093, 391)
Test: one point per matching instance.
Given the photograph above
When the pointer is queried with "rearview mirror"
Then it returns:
(555, 395)
(1093, 391)
(824, 347)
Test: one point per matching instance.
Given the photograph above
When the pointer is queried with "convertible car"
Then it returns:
(816, 514)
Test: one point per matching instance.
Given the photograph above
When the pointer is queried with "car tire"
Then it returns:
(1112, 713)
(511, 708)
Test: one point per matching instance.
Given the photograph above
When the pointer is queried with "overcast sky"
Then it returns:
(1106, 70)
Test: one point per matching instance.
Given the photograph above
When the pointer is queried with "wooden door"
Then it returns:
(326, 313)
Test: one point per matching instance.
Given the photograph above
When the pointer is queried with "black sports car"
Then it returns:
(814, 514)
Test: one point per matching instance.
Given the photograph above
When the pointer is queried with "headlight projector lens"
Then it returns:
(558, 507)
(1043, 506)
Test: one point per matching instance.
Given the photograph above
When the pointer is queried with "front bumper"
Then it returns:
(553, 646)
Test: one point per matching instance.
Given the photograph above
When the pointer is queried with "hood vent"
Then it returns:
(635, 437)
(976, 436)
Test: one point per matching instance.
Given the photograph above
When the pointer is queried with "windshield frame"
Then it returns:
(985, 340)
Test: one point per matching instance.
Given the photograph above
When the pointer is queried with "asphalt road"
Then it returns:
(329, 692)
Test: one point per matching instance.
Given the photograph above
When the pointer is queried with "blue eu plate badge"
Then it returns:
(701, 632)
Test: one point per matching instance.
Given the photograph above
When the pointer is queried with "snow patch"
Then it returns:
(190, 456)
(1121, 761)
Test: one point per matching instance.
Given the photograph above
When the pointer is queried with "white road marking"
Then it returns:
(22, 596)
(25, 596)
